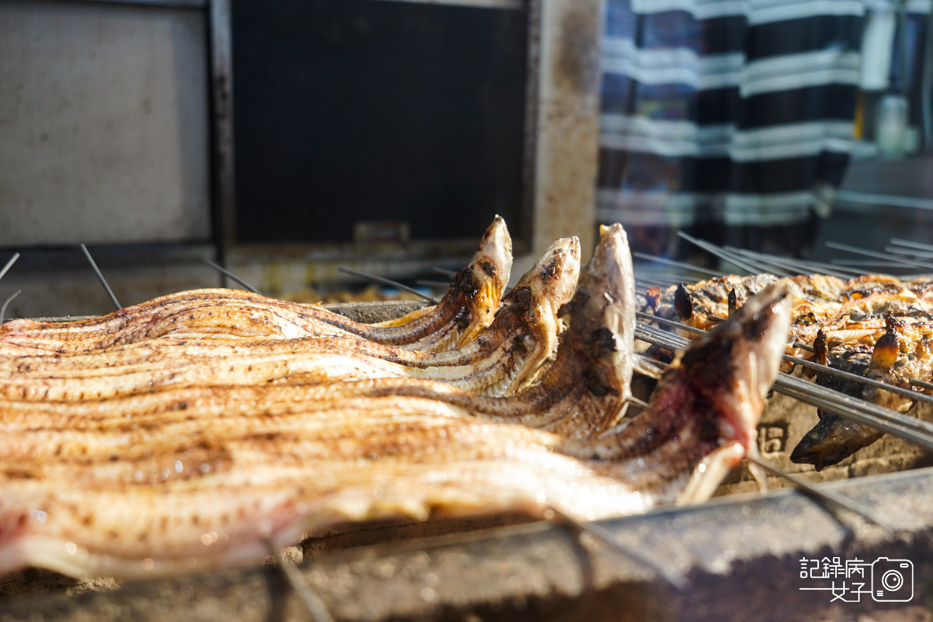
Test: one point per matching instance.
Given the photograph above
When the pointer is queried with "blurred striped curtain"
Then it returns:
(729, 118)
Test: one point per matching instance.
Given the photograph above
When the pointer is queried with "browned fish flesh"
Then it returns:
(467, 307)
(206, 477)
(876, 326)
(504, 358)
(582, 392)
(835, 437)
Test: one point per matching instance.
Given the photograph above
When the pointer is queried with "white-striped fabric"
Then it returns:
(757, 11)
(732, 111)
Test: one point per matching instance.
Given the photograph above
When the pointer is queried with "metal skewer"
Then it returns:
(389, 282)
(595, 529)
(822, 495)
(6, 304)
(9, 264)
(832, 371)
(101, 278)
(297, 581)
(884, 419)
(232, 276)
(861, 251)
(677, 264)
(450, 274)
(719, 252)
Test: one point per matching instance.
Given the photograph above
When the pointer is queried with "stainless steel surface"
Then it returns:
(564, 122)
(223, 184)
(104, 124)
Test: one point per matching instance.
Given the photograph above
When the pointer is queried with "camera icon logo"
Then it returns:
(892, 580)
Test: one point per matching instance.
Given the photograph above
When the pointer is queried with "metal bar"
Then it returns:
(822, 495)
(801, 266)
(861, 251)
(223, 187)
(920, 397)
(444, 271)
(889, 421)
(100, 277)
(718, 252)
(852, 196)
(641, 281)
(566, 146)
(389, 282)
(231, 275)
(428, 283)
(870, 263)
(677, 264)
(799, 361)
(911, 244)
(8, 265)
(894, 250)
(7, 302)
(764, 261)
(299, 583)
(608, 538)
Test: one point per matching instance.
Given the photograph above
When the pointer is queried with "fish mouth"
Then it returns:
(736, 362)
(553, 277)
(492, 263)
(488, 273)
(602, 314)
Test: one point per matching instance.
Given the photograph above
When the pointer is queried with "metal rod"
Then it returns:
(911, 244)
(231, 275)
(910, 251)
(886, 420)
(653, 318)
(920, 383)
(913, 252)
(297, 581)
(101, 278)
(641, 281)
(889, 421)
(677, 264)
(719, 252)
(803, 362)
(427, 283)
(765, 262)
(389, 282)
(839, 373)
(853, 196)
(825, 497)
(801, 266)
(595, 529)
(7, 303)
(870, 263)
(448, 273)
(8, 265)
(861, 251)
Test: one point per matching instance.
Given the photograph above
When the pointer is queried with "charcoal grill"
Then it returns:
(741, 553)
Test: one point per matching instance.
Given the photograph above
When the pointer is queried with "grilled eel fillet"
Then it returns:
(505, 357)
(203, 478)
(467, 307)
(582, 393)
